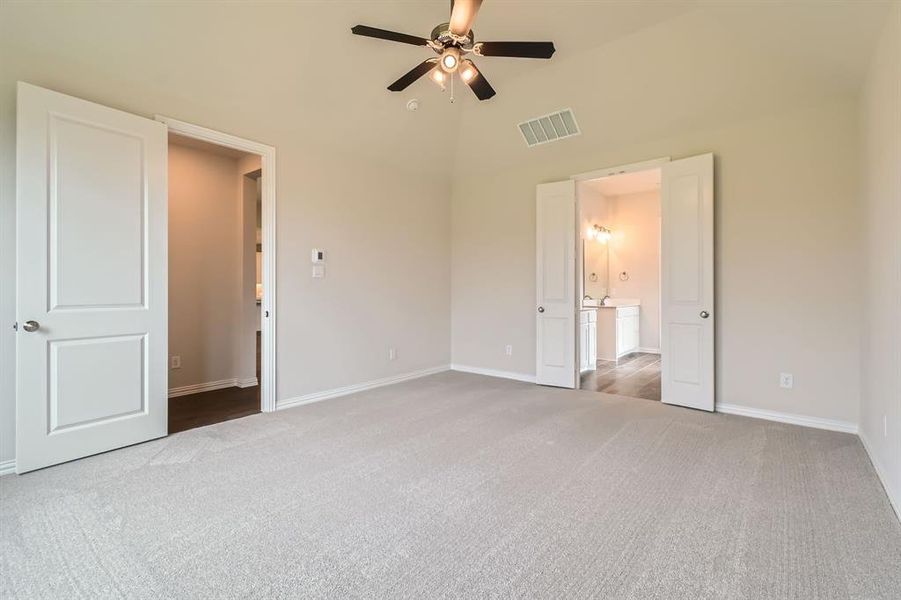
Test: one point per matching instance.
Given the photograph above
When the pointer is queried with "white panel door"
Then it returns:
(556, 307)
(687, 283)
(92, 292)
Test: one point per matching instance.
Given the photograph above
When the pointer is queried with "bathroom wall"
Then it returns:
(594, 209)
(635, 250)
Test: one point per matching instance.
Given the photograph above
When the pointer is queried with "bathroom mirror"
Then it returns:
(595, 265)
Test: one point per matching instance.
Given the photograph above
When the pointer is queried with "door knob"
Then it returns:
(31, 326)
(541, 309)
(704, 314)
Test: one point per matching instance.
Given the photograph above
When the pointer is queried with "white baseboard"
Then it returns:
(781, 417)
(650, 350)
(209, 386)
(358, 387)
(493, 373)
(893, 499)
(8, 466)
(247, 382)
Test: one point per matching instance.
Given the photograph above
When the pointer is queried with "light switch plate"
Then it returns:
(317, 255)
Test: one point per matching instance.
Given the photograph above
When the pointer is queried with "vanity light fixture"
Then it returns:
(601, 234)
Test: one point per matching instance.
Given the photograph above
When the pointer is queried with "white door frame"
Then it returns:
(645, 165)
(268, 399)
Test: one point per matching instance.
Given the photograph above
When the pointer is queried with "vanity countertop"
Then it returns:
(616, 303)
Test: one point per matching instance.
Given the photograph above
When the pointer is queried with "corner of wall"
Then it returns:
(880, 152)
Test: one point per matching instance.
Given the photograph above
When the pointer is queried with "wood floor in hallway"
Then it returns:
(206, 408)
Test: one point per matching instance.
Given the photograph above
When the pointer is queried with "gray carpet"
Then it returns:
(460, 486)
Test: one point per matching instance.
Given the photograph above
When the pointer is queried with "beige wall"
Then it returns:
(784, 132)
(880, 415)
(208, 294)
(786, 205)
(371, 183)
(358, 175)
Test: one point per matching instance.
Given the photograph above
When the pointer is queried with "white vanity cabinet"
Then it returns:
(617, 331)
(588, 339)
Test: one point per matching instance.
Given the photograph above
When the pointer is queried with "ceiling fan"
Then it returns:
(452, 41)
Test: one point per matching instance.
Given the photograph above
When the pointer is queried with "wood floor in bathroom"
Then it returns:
(636, 375)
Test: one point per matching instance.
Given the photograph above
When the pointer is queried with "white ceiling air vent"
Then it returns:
(549, 128)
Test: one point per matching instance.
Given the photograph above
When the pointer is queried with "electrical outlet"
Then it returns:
(509, 350)
(786, 380)
(392, 353)
(175, 362)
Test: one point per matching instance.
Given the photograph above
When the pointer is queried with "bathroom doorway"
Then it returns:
(619, 284)
(566, 323)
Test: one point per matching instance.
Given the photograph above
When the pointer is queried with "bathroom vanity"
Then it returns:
(608, 328)
(617, 329)
(588, 339)
(608, 332)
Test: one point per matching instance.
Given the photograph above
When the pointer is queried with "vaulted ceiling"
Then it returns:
(295, 68)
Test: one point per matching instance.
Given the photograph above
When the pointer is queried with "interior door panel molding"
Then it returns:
(105, 272)
(55, 426)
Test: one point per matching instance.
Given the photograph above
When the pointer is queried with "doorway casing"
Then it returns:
(268, 398)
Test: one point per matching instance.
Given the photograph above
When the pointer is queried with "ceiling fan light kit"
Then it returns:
(452, 41)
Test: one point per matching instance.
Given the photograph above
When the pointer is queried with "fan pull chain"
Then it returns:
(452, 88)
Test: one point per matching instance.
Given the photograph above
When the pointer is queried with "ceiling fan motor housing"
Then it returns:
(442, 36)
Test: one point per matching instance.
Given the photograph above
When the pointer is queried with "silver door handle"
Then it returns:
(704, 314)
(31, 326)
(541, 309)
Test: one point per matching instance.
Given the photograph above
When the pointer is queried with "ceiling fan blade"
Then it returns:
(517, 49)
(391, 36)
(463, 14)
(412, 75)
(480, 86)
